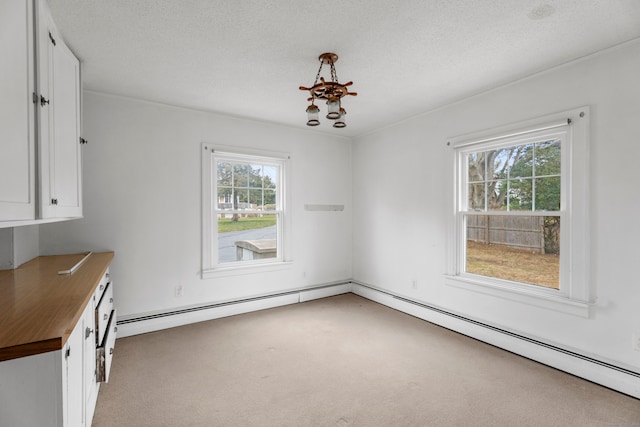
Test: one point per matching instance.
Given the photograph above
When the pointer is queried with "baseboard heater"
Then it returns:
(514, 335)
(630, 387)
(193, 309)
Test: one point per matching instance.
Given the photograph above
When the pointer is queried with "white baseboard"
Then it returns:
(141, 324)
(324, 292)
(605, 374)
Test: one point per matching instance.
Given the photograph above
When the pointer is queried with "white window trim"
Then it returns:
(210, 268)
(576, 294)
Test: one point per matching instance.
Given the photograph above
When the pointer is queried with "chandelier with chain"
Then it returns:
(331, 91)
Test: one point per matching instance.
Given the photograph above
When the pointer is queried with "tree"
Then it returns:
(522, 177)
(492, 167)
(246, 185)
(509, 175)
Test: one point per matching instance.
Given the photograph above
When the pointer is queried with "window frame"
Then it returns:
(211, 153)
(575, 294)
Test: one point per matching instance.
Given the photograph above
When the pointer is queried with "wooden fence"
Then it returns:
(522, 232)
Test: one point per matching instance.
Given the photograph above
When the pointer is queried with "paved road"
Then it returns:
(226, 241)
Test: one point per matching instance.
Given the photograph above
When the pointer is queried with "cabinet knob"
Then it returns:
(111, 300)
(106, 316)
(111, 350)
(43, 101)
(87, 332)
(101, 287)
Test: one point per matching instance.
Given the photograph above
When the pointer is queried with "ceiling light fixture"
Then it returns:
(332, 91)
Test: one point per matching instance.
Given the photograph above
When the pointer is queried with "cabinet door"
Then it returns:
(73, 377)
(17, 128)
(59, 139)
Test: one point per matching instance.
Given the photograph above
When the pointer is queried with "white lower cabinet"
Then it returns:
(73, 376)
(59, 388)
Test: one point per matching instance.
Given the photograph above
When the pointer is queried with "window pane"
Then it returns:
(476, 167)
(499, 162)
(497, 192)
(247, 237)
(255, 199)
(520, 161)
(255, 176)
(548, 194)
(242, 196)
(520, 194)
(270, 176)
(270, 200)
(476, 197)
(548, 158)
(517, 248)
(225, 173)
(225, 198)
(241, 175)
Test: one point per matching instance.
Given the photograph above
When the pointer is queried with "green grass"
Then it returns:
(225, 225)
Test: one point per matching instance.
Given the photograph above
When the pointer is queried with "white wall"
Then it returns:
(402, 186)
(18, 245)
(142, 191)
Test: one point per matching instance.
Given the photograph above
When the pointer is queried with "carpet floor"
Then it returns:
(340, 361)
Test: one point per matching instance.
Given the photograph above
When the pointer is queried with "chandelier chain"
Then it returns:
(334, 75)
(318, 75)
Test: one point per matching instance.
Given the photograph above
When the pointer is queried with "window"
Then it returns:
(243, 209)
(520, 225)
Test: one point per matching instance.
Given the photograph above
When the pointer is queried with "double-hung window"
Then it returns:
(243, 208)
(520, 226)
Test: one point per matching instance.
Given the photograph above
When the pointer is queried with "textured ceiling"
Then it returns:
(248, 57)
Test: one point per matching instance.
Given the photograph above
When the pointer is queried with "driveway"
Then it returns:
(226, 241)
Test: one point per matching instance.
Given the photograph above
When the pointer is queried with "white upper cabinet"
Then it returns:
(17, 119)
(59, 152)
(40, 153)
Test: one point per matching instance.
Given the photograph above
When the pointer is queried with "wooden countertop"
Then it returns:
(39, 308)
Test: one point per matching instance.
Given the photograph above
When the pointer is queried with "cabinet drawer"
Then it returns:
(104, 352)
(103, 312)
(102, 285)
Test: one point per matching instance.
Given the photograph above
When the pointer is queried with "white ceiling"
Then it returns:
(248, 57)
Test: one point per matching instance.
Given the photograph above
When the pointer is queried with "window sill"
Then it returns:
(529, 295)
(239, 270)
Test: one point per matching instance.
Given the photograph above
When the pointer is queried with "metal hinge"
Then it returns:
(34, 97)
(67, 353)
(83, 141)
(52, 39)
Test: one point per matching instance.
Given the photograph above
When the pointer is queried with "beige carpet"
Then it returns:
(340, 361)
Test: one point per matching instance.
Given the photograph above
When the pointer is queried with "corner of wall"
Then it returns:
(26, 243)
(18, 245)
(6, 248)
